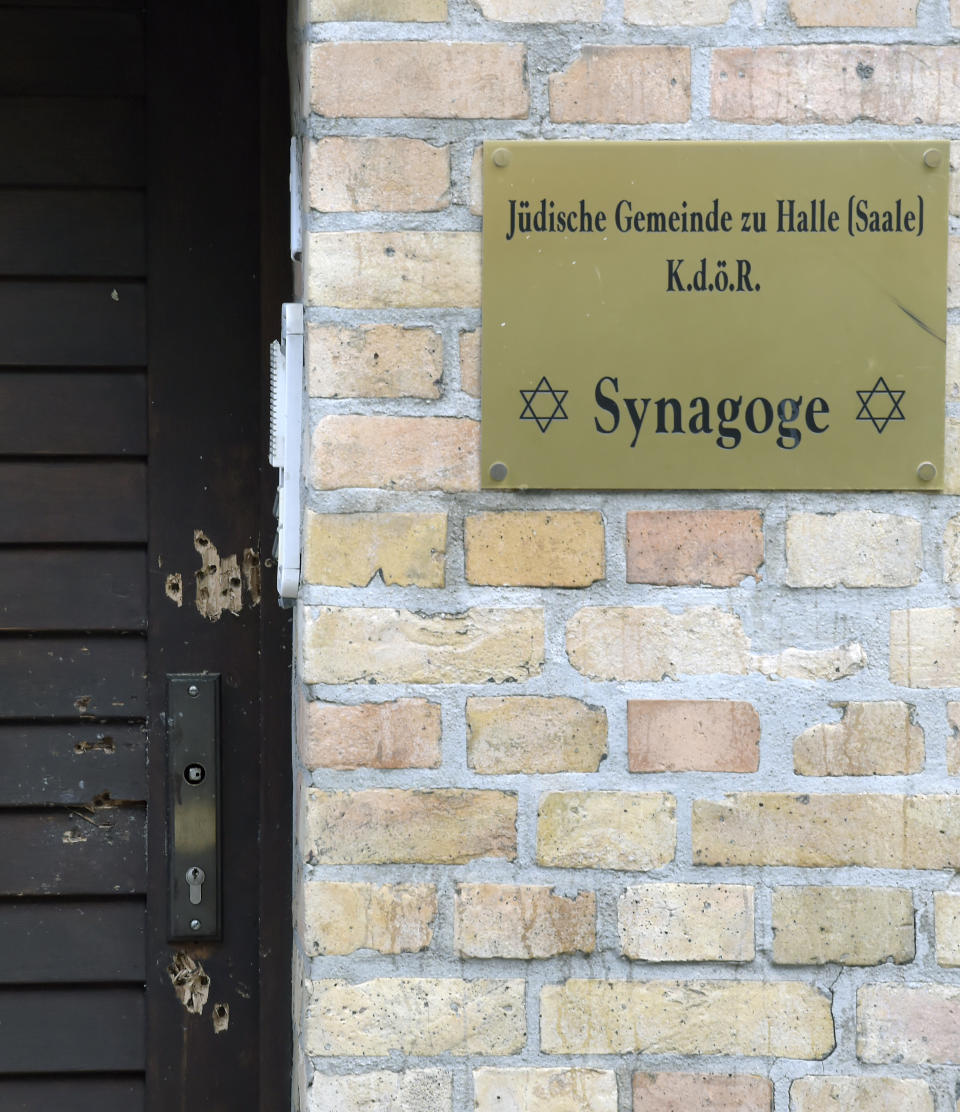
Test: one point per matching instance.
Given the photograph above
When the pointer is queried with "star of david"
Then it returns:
(885, 411)
(543, 404)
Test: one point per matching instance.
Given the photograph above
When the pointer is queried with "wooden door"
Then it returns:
(142, 193)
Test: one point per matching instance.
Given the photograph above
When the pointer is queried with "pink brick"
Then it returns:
(684, 735)
(404, 733)
(623, 85)
(701, 1092)
(835, 84)
(718, 548)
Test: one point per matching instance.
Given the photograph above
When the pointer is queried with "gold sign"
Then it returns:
(714, 315)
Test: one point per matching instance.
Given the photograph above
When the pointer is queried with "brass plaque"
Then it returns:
(714, 315)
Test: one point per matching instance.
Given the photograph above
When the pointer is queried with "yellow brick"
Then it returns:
(826, 831)
(399, 11)
(403, 733)
(545, 1090)
(953, 331)
(382, 361)
(854, 13)
(914, 1024)
(470, 363)
(393, 270)
(955, 13)
(532, 733)
(396, 453)
(415, 1016)
(680, 13)
(623, 85)
(542, 11)
(363, 645)
(853, 549)
(379, 175)
(953, 741)
(871, 739)
(522, 921)
(650, 643)
(475, 187)
(341, 917)
(951, 456)
(953, 272)
(440, 826)
(687, 922)
(860, 1094)
(779, 1019)
(925, 647)
(409, 1091)
(348, 550)
(855, 926)
(951, 550)
(836, 84)
(606, 830)
(552, 548)
(946, 910)
(464, 80)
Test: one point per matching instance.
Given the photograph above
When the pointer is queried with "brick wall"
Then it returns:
(607, 802)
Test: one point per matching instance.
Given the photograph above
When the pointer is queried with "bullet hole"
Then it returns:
(864, 71)
(389, 252)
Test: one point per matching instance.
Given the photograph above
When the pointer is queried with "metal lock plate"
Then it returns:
(193, 746)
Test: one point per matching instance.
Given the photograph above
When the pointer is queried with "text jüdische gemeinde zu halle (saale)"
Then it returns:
(857, 216)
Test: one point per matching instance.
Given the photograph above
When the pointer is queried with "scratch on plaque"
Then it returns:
(916, 320)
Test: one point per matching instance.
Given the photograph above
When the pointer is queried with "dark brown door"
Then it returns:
(142, 182)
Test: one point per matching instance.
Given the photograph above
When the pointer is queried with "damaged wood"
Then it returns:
(69, 764)
(220, 579)
(66, 677)
(68, 853)
(190, 982)
(174, 588)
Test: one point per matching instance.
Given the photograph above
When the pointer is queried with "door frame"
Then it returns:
(218, 118)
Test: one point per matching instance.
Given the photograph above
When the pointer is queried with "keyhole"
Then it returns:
(194, 773)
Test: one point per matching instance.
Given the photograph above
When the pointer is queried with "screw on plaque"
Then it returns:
(931, 158)
(926, 471)
(498, 472)
(501, 157)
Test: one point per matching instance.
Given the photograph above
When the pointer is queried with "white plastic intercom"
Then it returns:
(286, 413)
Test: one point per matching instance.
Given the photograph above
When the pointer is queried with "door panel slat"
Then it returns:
(99, 142)
(72, 413)
(96, 323)
(72, 853)
(71, 53)
(61, 764)
(78, 1094)
(71, 942)
(96, 677)
(77, 234)
(72, 502)
(60, 1030)
(64, 589)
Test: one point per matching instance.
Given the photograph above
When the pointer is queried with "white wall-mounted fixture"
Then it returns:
(286, 414)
